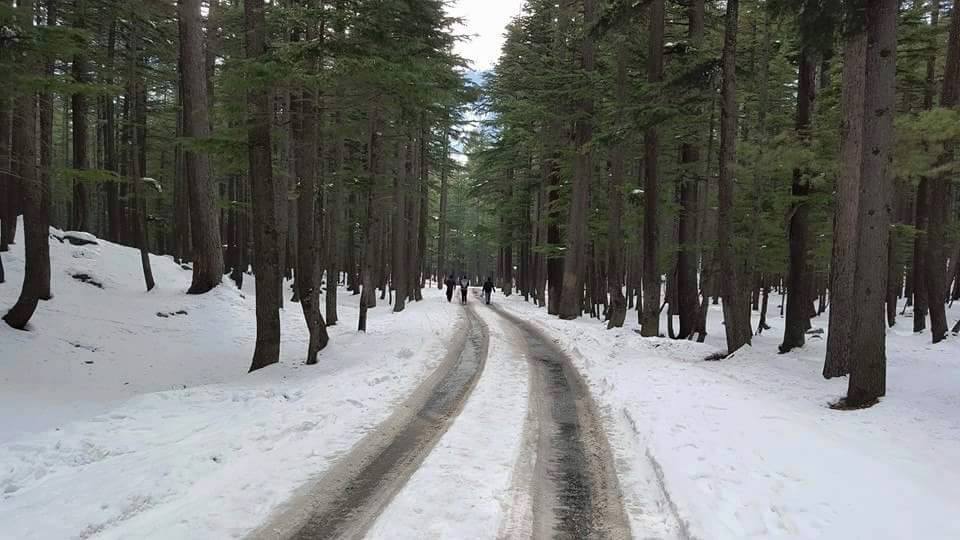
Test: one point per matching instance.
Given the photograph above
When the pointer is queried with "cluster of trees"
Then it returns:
(736, 148)
(299, 138)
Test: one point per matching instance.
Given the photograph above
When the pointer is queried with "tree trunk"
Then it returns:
(421, 210)
(921, 223)
(266, 230)
(574, 262)
(181, 191)
(650, 318)
(935, 263)
(442, 269)
(81, 199)
(799, 277)
(843, 265)
(368, 297)
(112, 189)
(305, 162)
(35, 201)
(554, 131)
(136, 172)
(46, 146)
(8, 180)
(736, 304)
(687, 291)
(868, 363)
(334, 213)
(398, 275)
(618, 304)
(205, 231)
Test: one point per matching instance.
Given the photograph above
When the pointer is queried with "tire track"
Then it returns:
(573, 490)
(345, 502)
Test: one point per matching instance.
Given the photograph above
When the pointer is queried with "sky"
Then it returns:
(484, 24)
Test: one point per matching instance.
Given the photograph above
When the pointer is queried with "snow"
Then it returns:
(134, 425)
(474, 461)
(131, 415)
(81, 237)
(748, 448)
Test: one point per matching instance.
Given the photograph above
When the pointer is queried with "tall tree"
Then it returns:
(36, 209)
(81, 197)
(689, 196)
(843, 262)
(204, 226)
(938, 195)
(868, 332)
(135, 92)
(650, 319)
(799, 278)
(266, 229)
(615, 273)
(305, 147)
(574, 263)
(736, 304)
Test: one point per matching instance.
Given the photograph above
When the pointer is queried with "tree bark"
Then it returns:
(36, 209)
(305, 163)
(736, 303)
(398, 275)
(935, 263)
(442, 269)
(81, 202)
(574, 262)
(333, 214)
(266, 229)
(204, 227)
(799, 276)
(687, 289)
(112, 189)
(554, 131)
(650, 317)
(368, 296)
(868, 343)
(46, 145)
(135, 89)
(921, 221)
(843, 265)
(8, 180)
(618, 304)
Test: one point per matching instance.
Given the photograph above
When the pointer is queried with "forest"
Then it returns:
(623, 155)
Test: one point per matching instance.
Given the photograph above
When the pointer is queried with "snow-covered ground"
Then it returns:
(131, 415)
(126, 419)
(748, 448)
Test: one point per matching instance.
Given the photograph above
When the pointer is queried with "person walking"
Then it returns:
(450, 283)
(487, 290)
(464, 284)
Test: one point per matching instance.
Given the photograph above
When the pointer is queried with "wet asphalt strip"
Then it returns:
(575, 489)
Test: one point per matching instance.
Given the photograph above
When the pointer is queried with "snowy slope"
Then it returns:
(132, 425)
(748, 448)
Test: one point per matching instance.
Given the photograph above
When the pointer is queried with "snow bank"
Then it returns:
(135, 417)
(748, 448)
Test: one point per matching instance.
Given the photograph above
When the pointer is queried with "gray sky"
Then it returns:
(484, 22)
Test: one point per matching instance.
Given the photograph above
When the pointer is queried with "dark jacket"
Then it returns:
(487, 286)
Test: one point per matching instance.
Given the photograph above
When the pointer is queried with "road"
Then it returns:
(564, 485)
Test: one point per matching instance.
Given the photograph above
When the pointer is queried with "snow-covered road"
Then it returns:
(526, 458)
